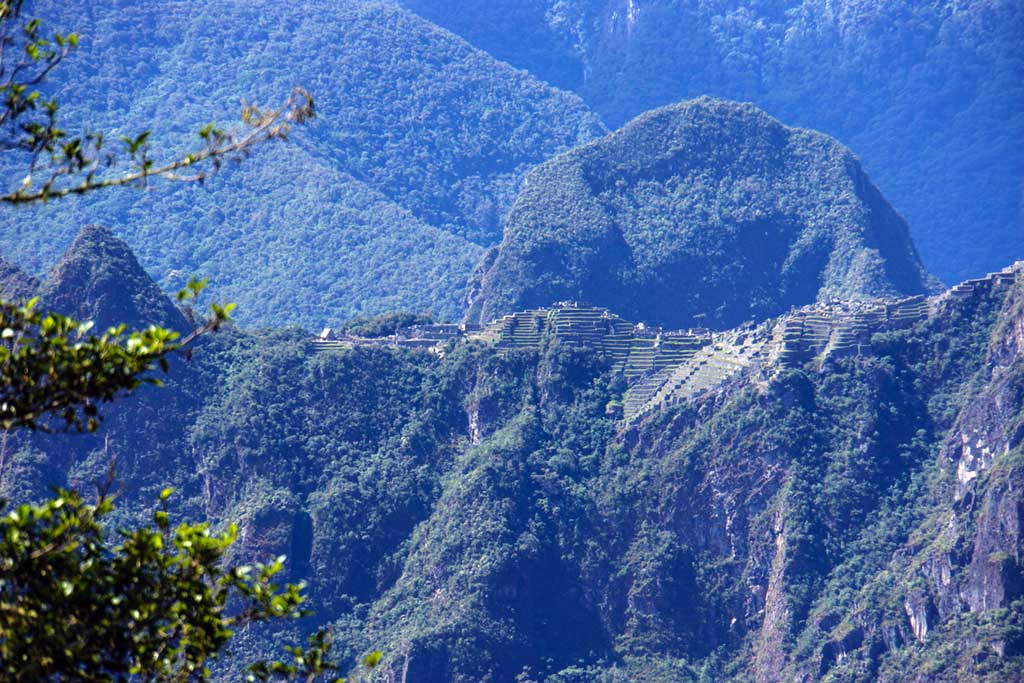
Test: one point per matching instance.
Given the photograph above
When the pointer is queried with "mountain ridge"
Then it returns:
(424, 136)
(928, 94)
(98, 279)
(15, 284)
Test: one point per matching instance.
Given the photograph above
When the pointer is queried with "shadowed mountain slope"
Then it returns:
(99, 279)
(929, 94)
(853, 519)
(16, 284)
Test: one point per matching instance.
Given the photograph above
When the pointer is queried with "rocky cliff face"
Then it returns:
(946, 605)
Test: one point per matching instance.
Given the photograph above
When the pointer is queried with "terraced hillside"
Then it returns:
(812, 334)
(664, 367)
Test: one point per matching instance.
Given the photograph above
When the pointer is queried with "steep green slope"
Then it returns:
(857, 519)
(99, 279)
(321, 248)
(702, 211)
(928, 93)
(418, 149)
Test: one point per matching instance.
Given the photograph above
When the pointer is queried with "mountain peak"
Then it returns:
(99, 279)
(15, 284)
(704, 211)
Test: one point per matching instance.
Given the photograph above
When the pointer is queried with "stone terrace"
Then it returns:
(668, 367)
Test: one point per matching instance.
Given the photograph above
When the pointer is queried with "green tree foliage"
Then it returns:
(52, 365)
(157, 604)
(384, 324)
(77, 603)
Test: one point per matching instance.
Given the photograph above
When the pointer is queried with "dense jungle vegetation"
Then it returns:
(180, 483)
(703, 212)
(495, 522)
(380, 203)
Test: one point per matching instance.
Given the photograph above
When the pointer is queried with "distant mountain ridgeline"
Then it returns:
(383, 203)
(389, 199)
(701, 213)
(844, 506)
(928, 94)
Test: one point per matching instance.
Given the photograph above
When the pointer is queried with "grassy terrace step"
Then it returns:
(321, 346)
(673, 359)
(705, 369)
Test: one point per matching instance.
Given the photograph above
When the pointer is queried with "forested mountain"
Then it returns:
(382, 203)
(701, 212)
(929, 94)
(854, 518)
(99, 279)
(708, 416)
(422, 139)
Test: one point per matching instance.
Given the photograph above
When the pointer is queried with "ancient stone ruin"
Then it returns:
(668, 367)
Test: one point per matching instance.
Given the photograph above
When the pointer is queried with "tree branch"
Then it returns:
(262, 126)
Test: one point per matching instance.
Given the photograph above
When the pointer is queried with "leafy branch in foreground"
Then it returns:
(52, 365)
(61, 164)
(157, 603)
(157, 606)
